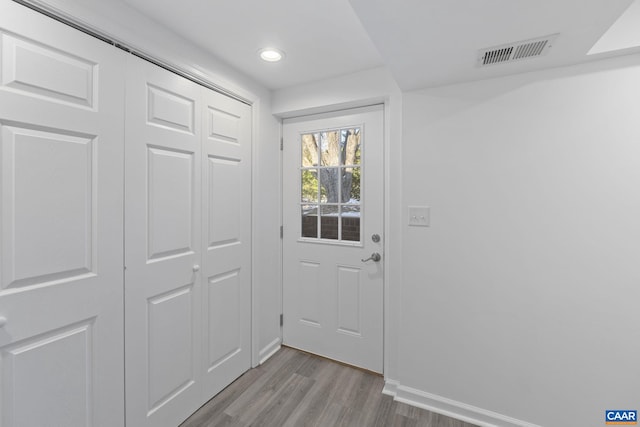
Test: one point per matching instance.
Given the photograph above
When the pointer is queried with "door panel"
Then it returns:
(50, 169)
(61, 284)
(349, 299)
(162, 221)
(170, 202)
(170, 328)
(307, 308)
(332, 206)
(224, 224)
(28, 363)
(69, 78)
(170, 110)
(227, 251)
(224, 325)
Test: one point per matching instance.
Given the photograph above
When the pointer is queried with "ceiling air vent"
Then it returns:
(515, 51)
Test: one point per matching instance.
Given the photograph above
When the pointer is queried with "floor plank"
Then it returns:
(297, 389)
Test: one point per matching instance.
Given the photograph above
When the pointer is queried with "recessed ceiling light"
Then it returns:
(270, 54)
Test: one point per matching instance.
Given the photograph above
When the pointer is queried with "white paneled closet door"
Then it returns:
(188, 244)
(226, 241)
(162, 235)
(61, 198)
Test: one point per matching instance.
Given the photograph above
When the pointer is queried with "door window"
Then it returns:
(330, 177)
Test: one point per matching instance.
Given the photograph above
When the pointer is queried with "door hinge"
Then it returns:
(281, 319)
(281, 231)
(281, 143)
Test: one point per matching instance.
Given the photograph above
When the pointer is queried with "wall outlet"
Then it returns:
(419, 216)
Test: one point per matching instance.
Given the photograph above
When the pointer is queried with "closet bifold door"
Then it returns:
(226, 249)
(163, 246)
(61, 226)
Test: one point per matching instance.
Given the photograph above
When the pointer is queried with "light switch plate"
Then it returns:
(419, 216)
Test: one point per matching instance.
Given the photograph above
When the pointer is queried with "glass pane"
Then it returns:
(309, 221)
(351, 185)
(330, 184)
(330, 174)
(350, 146)
(309, 186)
(309, 150)
(330, 148)
(351, 222)
(329, 222)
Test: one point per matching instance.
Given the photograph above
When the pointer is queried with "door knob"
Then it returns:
(374, 257)
(196, 268)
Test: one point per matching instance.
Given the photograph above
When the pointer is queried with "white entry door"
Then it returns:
(61, 195)
(163, 255)
(333, 235)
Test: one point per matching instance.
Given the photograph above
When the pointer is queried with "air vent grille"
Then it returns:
(497, 55)
(515, 51)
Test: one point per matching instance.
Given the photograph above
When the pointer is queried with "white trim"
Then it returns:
(393, 232)
(281, 220)
(270, 350)
(390, 388)
(386, 235)
(449, 407)
(255, 130)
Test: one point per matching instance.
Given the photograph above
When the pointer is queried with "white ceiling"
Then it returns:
(623, 34)
(424, 43)
(321, 38)
(435, 42)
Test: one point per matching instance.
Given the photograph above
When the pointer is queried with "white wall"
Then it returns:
(522, 297)
(125, 24)
(348, 91)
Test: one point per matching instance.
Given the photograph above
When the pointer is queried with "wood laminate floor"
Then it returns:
(295, 389)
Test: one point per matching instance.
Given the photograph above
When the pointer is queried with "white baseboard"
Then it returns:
(269, 350)
(390, 388)
(449, 407)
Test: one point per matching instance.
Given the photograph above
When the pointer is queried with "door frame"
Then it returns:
(386, 208)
